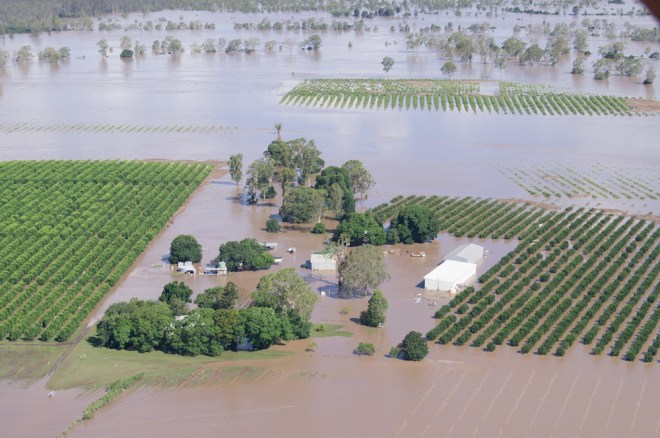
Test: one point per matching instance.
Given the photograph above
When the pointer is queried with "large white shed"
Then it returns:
(448, 275)
(470, 253)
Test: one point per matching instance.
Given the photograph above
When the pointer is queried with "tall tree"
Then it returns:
(361, 179)
(185, 248)
(286, 293)
(236, 167)
(362, 270)
(448, 69)
(259, 179)
(303, 205)
(387, 63)
(175, 290)
(286, 177)
(360, 229)
(415, 223)
(374, 316)
(414, 347)
(246, 255)
(278, 128)
(306, 157)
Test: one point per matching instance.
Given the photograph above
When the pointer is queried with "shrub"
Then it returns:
(374, 316)
(319, 228)
(365, 348)
(273, 226)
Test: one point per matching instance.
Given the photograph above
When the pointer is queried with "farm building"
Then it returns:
(186, 268)
(221, 269)
(323, 262)
(449, 275)
(469, 253)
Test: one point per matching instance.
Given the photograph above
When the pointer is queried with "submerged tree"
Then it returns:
(362, 270)
(236, 168)
(388, 63)
(185, 248)
(103, 47)
(448, 69)
(374, 316)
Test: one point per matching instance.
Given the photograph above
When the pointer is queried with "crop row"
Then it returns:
(552, 288)
(90, 128)
(446, 96)
(596, 182)
(66, 250)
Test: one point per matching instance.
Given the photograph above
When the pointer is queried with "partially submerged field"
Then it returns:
(71, 229)
(576, 275)
(459, 95)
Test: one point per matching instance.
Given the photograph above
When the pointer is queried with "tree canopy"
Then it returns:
(246, 255)
(360, 229)
(175, 290)
(262, 327)
(376, 309)
(414, 347)
(360, 179)
(303, 205)
(185, 248)
(363, 269)
(219, 297)
(415, 223)
(236, 168)
(330, 176)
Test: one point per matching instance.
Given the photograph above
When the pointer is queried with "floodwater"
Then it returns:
(457, 391)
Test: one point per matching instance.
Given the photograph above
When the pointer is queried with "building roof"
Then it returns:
(451, 271)
(322, 257)
(469, 253)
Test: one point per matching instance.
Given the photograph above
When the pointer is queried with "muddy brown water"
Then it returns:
(456, 391)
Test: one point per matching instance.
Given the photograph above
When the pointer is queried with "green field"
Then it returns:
(7, 127)
(576, 275)
(71, 229)
(448, 95)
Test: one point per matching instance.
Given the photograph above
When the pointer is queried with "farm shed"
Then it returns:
(186, 268)
(469, 253)
(323, 262)
(449, 275)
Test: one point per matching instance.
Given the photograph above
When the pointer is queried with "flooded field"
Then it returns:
(225, 104)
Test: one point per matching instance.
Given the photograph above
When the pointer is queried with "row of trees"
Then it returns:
(25, 54)
(281, 307)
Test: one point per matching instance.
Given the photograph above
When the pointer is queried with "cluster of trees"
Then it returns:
(246, 255)
(280, 309)
(25, 54)
(613, 57)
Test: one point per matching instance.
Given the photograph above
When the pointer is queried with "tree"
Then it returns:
(337, 175)
(363, 269)
(139, 49)
(360, 178)
(103, 47)
(185, 248)
(174, 46)
(135, 325)
(306, 157)
(601, 69)
(259, 179)
(209, 46)
(374, 316)
(532, 55)
(280, 154)
(4, 57)
(175, 290)
(335, 199)
(273, 225)
(313, 42)
(246, 255)
(126, 54)
(500, 62)
(630, 66)
(580, 41)
(388, 63)
(578, 66)
(360, 229)
(278, 128)
(126, 43)
(286, 177)
(513, 47)
(414, 347)
(49, 54)
(448, 69)
(261, 326)
(303, 205)
(288, 295)
(650, 76)
(219, 297)
(415, 223)
(194, 334)
(236, 167)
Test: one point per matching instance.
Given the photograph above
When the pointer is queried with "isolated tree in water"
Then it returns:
(388, 63)
(448, 69)
(236, 168)
(362, 270)
(414, 347)
(185, 248)
(375, 313)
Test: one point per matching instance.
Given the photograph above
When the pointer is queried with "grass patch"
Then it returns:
(95, 367)
(325, 330)
(27, 363)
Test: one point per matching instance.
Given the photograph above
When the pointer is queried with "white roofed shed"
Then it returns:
(469, 253)
(449, 275)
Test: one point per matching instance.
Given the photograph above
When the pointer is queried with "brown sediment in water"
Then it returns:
(638, 105)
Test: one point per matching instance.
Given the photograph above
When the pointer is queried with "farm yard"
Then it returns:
(457, 95)
(72, 229)
(595, 181)
(576, 274)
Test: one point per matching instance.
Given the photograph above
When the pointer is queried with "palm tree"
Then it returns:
(278, 127)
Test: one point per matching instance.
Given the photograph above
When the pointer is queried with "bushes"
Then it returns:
(319, 228)
(365, 349)
(414, 347)
(273, 226)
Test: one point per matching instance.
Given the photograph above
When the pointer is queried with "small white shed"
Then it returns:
(448, 275)
(470, 253)
(186, 267)
(323, 262)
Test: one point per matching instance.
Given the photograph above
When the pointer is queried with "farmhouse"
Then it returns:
(323, 262)
(186, 267)
(449, 275)
(469, 253)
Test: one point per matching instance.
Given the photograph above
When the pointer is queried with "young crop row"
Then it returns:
(447, 96)
(87, 128)
(580, 271)
(66, 250)
(596, 182)
(471, 217)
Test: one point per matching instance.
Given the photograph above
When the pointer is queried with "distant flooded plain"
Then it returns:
(456, 391)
